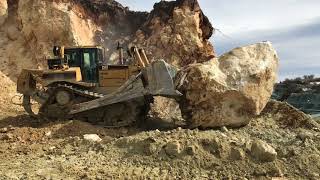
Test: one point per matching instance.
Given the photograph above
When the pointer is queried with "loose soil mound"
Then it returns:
(30, 149)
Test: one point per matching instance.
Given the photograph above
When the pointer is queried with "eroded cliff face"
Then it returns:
(34, 26)
(176, 31)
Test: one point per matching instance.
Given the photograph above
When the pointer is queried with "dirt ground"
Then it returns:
(57, 150)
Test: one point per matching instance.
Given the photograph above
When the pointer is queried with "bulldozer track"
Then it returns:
(126, 112)
(83, 92)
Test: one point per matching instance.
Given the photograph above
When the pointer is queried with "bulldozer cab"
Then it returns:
(87, 62)
(88, 59)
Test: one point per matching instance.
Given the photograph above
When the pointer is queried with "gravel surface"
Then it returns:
(58, 150)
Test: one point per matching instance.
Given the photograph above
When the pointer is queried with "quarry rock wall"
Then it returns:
(33, 27)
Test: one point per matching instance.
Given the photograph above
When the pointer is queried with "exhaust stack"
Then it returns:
(120, 49)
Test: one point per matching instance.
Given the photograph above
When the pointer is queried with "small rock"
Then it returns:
(263, 151)
(315, 175)
(237, 154)
(11, 128)
(48, 134)
(155, 171)
(150, 140)
(316, 129)
(76, 138)
(304, 135)
(52, 148)
(191, 150)
(224, 135)
(224, 129)
(275, 171)
(260, 171)
(13, 33)
(173, 149)
(151, 149)
(3, 130)
(7, 136)
(92, 137)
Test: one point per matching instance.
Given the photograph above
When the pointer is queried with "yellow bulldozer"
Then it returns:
(79, 83)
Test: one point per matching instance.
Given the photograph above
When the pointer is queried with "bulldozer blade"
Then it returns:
(159, 76)
(132, 89)
(155, 80)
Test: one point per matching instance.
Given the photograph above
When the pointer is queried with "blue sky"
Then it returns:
(293, 26)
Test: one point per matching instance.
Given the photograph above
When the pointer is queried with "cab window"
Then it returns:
(86, 60)
(89, 65)
(72, 56)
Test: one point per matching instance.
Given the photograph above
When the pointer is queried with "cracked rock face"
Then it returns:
(178, 32)
(3, 11)
(231, 89)
(65, 26)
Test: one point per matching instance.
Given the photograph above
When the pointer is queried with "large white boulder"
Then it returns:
(3, 11)
(228, 91)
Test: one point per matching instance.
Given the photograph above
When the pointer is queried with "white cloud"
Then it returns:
(245, 15)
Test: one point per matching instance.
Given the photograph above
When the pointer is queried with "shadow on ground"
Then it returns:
(20, 121)
(25, 124)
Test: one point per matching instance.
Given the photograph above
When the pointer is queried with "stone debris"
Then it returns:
(151, 149)
(173, 149)
(230, 90)
(237, 154)
(3, 130)
(289, 115)
(224, 129)
(92, 137)
(6, 136)
(191, 150)
(263, 151)
(13, 33)
(184, 153)
(165, 109)
(48, 134)
(304, 135)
